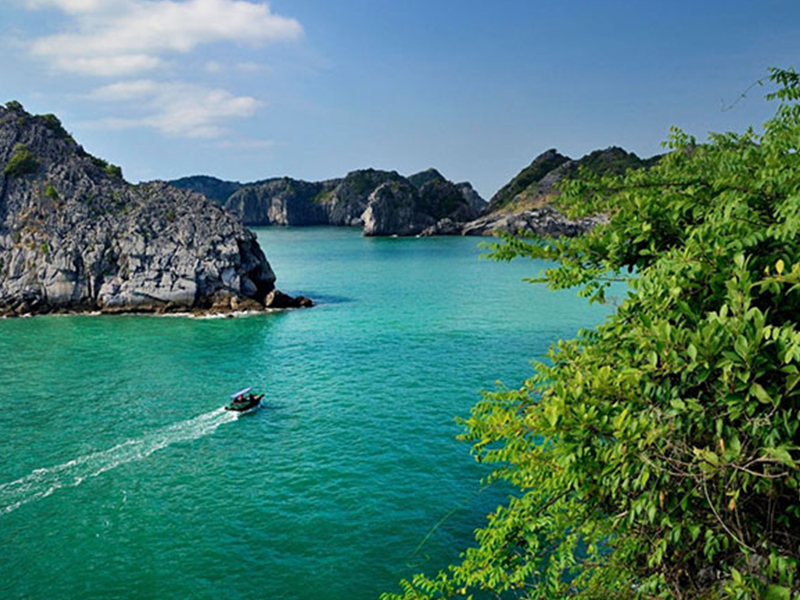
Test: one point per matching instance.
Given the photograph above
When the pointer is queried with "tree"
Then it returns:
(658, 455)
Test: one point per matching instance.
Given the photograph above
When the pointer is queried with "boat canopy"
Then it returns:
(241, 393)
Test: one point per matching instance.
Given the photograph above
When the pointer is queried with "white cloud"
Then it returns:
(75, 6)
(214, 67)
(130, 36)
(174, 108)
(108, 66)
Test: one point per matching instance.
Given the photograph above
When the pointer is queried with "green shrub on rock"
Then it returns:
(658, 456)
(22, 162)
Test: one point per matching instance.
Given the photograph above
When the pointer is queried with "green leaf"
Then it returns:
(760, 393)
(777, 592)
(781, 454)
(551, 413)
(741, 346)
(677, 404)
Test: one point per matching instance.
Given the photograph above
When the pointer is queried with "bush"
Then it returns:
(22, 162)
(108, 169)
(54, 124)
(658, 456)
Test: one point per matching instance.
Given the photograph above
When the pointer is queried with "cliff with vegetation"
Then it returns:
(351, 201)
(385, 203)
(75, 236)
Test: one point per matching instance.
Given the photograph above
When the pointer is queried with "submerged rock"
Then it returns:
(74, 236)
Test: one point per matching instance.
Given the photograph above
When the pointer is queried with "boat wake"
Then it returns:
(43, 482)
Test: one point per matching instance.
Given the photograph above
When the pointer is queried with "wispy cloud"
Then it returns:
(174, 108)
(76, 6)
(213, 66)
(126, 37)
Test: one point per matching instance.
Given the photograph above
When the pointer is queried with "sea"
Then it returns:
(122, 477)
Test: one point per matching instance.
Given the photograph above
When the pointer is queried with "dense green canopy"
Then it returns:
(657, 456)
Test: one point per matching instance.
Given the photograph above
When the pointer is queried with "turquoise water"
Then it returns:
(121, 477)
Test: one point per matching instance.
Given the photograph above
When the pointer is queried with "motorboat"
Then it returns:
(244, 401)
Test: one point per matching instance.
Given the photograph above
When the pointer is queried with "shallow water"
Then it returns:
(121, 477)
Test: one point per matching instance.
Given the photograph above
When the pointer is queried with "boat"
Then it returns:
(244, 401)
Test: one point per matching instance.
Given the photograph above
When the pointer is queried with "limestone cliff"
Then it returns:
(426, 198)
(282, 201)
(74, 236)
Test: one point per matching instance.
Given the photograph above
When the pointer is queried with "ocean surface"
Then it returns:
(122, 477)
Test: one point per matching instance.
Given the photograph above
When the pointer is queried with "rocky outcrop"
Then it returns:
(545, 222)
(535, 186)
(283, 201)
(212, 188)
(426, 203)
(346, 203)
(426, 198)
(477, 205)
(523, 204)
(74, 236)
(400, 208)
(393, 210)
(510, 193)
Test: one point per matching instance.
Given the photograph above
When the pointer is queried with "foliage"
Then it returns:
(22, 162)
(658, 456)
(109, 169)
(14, 105)
(54, 124)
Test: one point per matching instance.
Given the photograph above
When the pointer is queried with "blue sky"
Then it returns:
(246, 90)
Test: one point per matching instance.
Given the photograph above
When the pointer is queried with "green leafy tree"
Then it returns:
(658, 456)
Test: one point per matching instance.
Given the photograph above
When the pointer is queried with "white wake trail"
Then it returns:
(43, 482)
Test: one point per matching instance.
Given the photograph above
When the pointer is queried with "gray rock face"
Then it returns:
(477, 205)
(400, 208)
(212, 188)
(545, 221)
(74, 236)
(393, 210)
(282, 201)
(427, 197)
(423, 177)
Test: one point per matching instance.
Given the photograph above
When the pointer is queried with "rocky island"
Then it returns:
(385, 203)
(381, 202)
(76, 237)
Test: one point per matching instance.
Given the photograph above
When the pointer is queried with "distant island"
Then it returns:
(426, 203)
(76, 237)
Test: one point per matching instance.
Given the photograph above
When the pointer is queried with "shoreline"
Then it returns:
(280, 302)
(233, 314)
